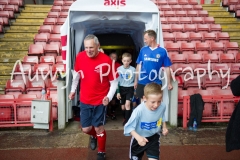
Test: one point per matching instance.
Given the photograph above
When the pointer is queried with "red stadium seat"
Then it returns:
(172, 20)
(184, 20)
(187, 48)
(162, 2)
(165, 8)
(192, 13)
(189, 27)
(41, 68)
(209, 20)
(227, 58)
(209, 37)
(164, 20)
(183, 37)
(49, 21)
(183, 2)
(63, 15)
(13, 8)
(203, 28)
(232, 47)
(181, 68)
(35, 49)
(223, 37)
(197, 20)
(217, 47)
(193, 82)
(226, 82)
(215, 28)
(201, 68)
(47, 60)
(53, 15)
(166, 28)
(212, 57)
(202, 48)
(56, 9)
(180, 14)
(195, 37)
(197, 7)
(68, 3)
(59, 60)
(235, 68)
(35, 85)
(56, 29)
(202, 13)
(55, 38)
(58, 3)
(4, 2)
(30, 60)
(178, 58)
(176, 7)
(45, 29)
(172, 47)
(14, 86)
(172, 2)
(176, 27)
(42, 37)
(5, 14)
(1, 7)
(187, 7)
(16, 2)
(194, 58)
(57, 68)
(60, 21)
(237, 58)
(193, 2)
(215, 81)
(65, 8)
(223, 67)
(168, 37)
(51, 50)
(169, 14)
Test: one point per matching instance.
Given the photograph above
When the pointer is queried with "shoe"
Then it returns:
(101, 156)
(93, 143)
(113, 117)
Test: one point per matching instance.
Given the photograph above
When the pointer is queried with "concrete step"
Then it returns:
(36, 20)
(37, 6)
(31, 17)
(234, 33)
(19, 35)
(25, 44)
(22, 31)
(2, 87)
(230, 29)
(218, 14)
(222, 19)
(235, 39)
(24, 27)
(230, 26)
(33, 14)
(27, 23)
(213, 8)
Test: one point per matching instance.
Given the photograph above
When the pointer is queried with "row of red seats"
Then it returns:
(218, 60)
(174, 2)
(192, 36)
(41, 50)
(7, 14)
(183, 68)
(4, 21)
(43, 59)
(227, 3)
(54, 29)
(229, 47)
(180, 7)
(60, 8)
(57, 15)
(62, 3)
(187, 20)
(192, 28)
(47, 37)
(54, 21)
(14, 8)
(192, 13)
(12, 2)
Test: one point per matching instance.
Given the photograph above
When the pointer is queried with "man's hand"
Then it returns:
(164, 131)
(170, 87)
(118, 96)
(142, 141)
(105, 101)
(135, 85)
(71, 95)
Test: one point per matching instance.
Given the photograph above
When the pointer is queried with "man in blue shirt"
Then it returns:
(150, 61)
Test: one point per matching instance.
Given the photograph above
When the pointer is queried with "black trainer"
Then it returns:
(93, 143)
(101, 156)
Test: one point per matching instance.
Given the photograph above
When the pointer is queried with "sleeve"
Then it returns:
(166, 62)
(131, 125)
(139, 59)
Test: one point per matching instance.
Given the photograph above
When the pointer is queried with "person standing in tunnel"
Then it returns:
(98, 86)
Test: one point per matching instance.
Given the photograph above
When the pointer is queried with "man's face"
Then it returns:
(113, 57)
(147, 40)
(91, 48)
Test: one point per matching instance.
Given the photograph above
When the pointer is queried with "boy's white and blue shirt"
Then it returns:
(126, 76)
(144, 121)
(152, 60)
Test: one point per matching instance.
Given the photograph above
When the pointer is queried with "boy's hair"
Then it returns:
(152, 88)
(126, 55)
(151, 33)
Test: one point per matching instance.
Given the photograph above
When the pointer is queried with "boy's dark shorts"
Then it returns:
(126, 94)
(92, 115)
(152, 148)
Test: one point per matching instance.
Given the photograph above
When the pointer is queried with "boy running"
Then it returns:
(145, 124)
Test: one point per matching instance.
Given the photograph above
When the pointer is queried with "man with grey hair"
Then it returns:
(97, 88)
